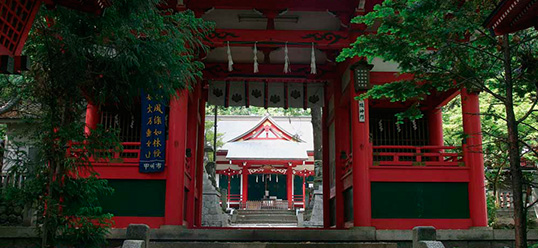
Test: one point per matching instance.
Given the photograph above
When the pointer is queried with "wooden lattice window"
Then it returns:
(16, 17)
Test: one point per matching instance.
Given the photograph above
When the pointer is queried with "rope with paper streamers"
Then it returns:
(286, 59)
(256, 70)
(230, 60)
(313, 69)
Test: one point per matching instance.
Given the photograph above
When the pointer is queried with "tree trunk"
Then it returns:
(516, 174)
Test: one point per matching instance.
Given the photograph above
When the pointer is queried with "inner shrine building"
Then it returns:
(281, 53)
(266, 162)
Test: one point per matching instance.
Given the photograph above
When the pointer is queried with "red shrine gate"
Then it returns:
(375, 172)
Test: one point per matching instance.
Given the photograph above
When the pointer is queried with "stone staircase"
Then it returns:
(269, 217)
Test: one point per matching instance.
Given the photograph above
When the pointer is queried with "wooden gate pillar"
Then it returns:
(244, 195)
(435, 126)
(92, 118)
(289, 186)
(362, 153)
(175, 166)
(473, 157)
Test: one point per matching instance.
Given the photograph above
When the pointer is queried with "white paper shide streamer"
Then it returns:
(255, 58)
(230, 60)
(313, 69)
(286, 59)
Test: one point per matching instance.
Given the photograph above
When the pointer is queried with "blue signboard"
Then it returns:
(153, 139)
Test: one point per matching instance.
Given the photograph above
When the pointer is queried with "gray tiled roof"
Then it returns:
(266, 149)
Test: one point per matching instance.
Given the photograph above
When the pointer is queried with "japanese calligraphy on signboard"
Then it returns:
(153, 139)
(362, 114)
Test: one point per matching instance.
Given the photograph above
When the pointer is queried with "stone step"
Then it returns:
(258, 221)
(269, 217)
(268, 245)
(266, 212)
(266, 215)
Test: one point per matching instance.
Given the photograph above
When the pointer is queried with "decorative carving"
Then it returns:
(223, 35)
(332, 38)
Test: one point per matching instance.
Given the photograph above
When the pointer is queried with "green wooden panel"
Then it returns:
(235, 184)
(393, 200)
(348, 204)
(135, 198)
(256, 190)
(297, 185)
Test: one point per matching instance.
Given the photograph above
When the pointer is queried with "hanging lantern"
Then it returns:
(277, 178)
(256, 178)
(263, 178)
(270, 177)
(361, 75)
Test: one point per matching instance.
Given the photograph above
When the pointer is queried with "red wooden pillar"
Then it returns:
(200, 163)
(175, 166)
(326, 173)
(435, 126)
(92, 118)
(192, 145)
(244, 196)
(304, 191)
(473, 157)
(229, 189)
(362, 211)
(341, 133)
(289, 186)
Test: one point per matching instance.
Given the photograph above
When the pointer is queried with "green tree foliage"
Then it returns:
(444, 45)
(79, 58)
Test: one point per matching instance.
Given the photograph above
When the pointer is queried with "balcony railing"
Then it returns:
(445, 156)
(130, 155)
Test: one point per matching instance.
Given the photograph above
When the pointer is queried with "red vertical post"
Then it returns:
(435, 126)
(192, 131)
(92, 118)
(304, 191)
(340, 133)
(244, 196)
(473, 157)
(200, 162)
(289, 186)
(362, 152)
(175, 166)
(326, 173)
(229, 188)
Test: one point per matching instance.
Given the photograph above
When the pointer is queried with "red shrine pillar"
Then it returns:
(289, 179)
(304, 191)
(92, 118)
(362, 152)
(200, 163)
(191, 162)
(473, 157)
(244, 177)
(435, 126)
(175, 166)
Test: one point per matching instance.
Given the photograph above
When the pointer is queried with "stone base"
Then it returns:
(212, 214)
(316, 218)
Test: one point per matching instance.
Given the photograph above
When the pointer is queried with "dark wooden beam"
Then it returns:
(269, 72)
(300, 5)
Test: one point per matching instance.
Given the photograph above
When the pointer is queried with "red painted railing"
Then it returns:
(446, 156)
(130, 155)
